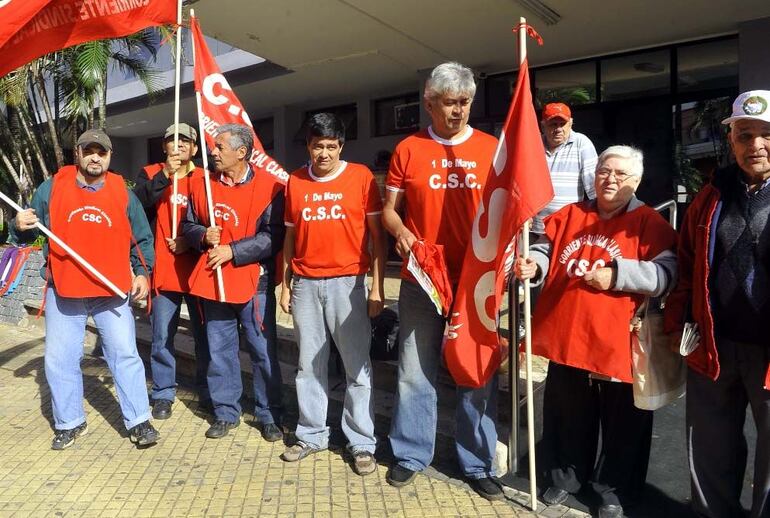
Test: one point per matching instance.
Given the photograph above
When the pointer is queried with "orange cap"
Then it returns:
(560, 110)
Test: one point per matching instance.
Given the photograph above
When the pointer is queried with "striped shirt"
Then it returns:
(572, 167)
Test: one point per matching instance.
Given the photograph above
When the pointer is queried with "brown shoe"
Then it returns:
(298, 451)
(364, 463)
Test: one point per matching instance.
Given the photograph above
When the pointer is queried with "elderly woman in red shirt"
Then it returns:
(597, 261)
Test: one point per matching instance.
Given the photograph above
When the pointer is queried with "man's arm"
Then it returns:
(391, 220)
(21, 231)
(143, 247)
(288, 254)
(268, 240)
(588, 161)
(191, 228)
(379, 248)
(149, 191)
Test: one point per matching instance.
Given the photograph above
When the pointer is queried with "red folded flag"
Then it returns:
(221, 106)
(518, 187)
(53, 25)
(431, 259)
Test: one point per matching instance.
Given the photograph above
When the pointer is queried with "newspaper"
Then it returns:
(690, 338)
(424, 281)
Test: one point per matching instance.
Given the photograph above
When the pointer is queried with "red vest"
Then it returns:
(172, 272)
(579, 326)
(95, 225)
(235, 210)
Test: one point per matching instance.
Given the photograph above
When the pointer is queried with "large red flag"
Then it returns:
(220, 106)
(15, 14)
(62, 23)
(517, 188)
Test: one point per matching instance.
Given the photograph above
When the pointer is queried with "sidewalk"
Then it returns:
(103, 474)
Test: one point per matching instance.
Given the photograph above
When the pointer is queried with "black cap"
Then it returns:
(94, 136)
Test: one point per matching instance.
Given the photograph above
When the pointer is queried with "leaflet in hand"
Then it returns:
(424, 281)
(690, 338)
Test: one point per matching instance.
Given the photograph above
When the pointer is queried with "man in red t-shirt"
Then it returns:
(333, 203)
(437, 175)
(174, 263)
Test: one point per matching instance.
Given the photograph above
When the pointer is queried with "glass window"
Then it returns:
(570, 84)
(707, 66)
(399, 114)
(638, 75)
(499, 91)
(265, 132)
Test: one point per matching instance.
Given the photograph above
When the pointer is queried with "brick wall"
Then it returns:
(12, 309)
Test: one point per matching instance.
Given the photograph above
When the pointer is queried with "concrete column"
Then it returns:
(753, 60)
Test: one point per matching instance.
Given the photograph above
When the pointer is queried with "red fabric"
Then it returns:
(430, 257)
(172, 272)
(518, 187)
(18, 262)
(15, 15)
(579, 326)
(95, 224)
(693, 288)
(220, 105)
(64, 23)
(235, 211)
(443, 182)
(331, 211)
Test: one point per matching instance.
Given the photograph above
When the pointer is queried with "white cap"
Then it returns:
(753, 105)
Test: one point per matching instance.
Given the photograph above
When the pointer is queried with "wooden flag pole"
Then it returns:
(177, 81)
(205, 158)
(528, 321)
(69, 250)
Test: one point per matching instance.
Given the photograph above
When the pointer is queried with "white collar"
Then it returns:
(467, 134)
(327, 178)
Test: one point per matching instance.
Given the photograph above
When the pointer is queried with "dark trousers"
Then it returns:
(576, 409)
(256, 320)
(717, 451)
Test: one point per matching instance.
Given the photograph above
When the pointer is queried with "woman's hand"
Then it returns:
(525, 268)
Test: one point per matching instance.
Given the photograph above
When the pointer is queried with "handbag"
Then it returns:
(659, 373)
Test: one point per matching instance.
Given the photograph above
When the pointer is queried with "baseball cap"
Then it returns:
(95, 136)
(560, 110)
(754, 104)
(185, 130)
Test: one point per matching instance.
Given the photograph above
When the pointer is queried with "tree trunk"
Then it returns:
(51, 123)
(34, 144)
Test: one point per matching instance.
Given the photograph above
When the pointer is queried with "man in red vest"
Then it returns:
(174, 263)
(92, 211)
(243, 243)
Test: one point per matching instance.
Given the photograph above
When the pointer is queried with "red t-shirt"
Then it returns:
(575, 324)
(442, 182)
(328, 215)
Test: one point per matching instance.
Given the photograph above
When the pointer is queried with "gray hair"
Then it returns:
(240, 136)
(450, 78)
(630, 153)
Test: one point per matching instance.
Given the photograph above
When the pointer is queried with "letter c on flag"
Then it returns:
(485, 247)
(3, 3)
(208, 88)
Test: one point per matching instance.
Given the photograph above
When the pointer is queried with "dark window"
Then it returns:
(395, 115)
(264, 130)
(637, 75)
(708, 66)
(570, 84)
(347, 112)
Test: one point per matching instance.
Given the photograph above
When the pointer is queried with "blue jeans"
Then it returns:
(413, 428)
(224, 373)
(325, 309)
(65, 329)
(165, 320)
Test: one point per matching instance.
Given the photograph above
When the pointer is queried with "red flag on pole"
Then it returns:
(517, 188)
(220, 106)
(58, 24)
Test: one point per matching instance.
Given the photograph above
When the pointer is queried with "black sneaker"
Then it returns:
(488, 488)
(555, 496)
(66, 438)
(399, 476)
(161, 409)
(220, 428)
(271, 432)
(143, 434)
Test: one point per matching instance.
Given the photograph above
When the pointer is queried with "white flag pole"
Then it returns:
(528, 322)
(177, 81)
(69, 250)
(205, 158)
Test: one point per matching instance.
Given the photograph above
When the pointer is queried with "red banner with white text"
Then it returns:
(221, 106)
(59, 24)
(517, 188)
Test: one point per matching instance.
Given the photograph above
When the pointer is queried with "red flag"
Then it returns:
(58, 24)
(220, 106)
(15, 14)
(517, 188)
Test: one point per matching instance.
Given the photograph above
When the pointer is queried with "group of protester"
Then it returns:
(599, 252)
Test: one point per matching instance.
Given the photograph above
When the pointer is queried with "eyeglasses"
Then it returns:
(620, 176)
